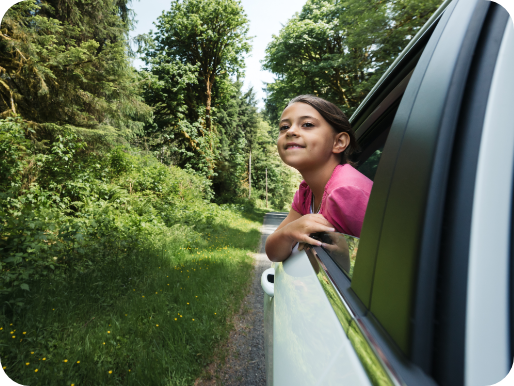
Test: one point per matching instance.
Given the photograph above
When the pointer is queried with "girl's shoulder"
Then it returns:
(346, 176)
(302, 199)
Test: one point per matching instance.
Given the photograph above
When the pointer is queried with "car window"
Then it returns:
(343, 248)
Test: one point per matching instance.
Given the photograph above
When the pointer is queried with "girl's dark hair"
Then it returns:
(336, 118)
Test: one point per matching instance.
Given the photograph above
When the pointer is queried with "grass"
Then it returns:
(151, 318)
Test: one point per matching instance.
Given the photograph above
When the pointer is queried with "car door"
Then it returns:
(406, 311)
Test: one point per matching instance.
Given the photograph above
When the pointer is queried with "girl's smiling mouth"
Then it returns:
(292, 145)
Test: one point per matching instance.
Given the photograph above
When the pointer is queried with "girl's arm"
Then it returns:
(295, 228)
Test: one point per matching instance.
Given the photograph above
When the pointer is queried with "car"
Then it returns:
(427, 298)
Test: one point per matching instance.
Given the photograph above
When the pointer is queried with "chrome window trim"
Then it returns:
(377, 366)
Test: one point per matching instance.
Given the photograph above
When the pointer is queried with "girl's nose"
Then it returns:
(292, 131)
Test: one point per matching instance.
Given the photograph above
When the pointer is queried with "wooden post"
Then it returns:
(250, 175)
(266, 187)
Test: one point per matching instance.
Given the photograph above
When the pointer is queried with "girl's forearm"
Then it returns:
(279, 245)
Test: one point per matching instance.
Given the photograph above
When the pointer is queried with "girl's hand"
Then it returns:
(300, 229)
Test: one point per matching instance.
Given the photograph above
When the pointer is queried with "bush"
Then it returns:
(66, 208)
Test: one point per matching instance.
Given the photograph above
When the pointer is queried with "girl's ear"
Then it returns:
(341, 142)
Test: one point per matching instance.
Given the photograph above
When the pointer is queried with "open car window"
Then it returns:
(343, 248)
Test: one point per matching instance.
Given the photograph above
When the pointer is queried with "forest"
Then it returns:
(118, 185)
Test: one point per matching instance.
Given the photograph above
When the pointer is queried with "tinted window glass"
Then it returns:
(341, 248)
(369, 167)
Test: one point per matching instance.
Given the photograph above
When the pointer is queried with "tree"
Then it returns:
(338, 49)
(198, 45)
(67, 63)
(237, 121)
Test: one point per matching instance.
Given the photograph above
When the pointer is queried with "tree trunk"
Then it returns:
(250, 175)
(208, 120)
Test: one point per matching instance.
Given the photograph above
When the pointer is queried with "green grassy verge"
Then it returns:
(151, 318)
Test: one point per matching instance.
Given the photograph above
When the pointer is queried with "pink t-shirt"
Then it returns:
(344, 200)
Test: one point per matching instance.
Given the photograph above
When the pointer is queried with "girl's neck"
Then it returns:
(317, 180)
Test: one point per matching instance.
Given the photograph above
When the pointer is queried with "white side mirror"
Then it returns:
(268, 281)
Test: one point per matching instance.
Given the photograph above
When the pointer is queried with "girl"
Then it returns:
(316, 138)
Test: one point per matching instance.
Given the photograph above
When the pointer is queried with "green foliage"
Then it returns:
(61, 206)
(94, 242)
(151, 316)
(197, 46)
(87, 221)
(67, 63)
(339, 49)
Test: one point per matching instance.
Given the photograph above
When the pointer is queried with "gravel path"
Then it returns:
(244, 364)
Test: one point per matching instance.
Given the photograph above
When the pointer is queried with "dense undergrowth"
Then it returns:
(115, 268)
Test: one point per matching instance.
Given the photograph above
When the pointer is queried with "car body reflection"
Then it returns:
(342, 248)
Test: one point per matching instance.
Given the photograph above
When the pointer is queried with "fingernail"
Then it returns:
(332, 230)
(320, 244)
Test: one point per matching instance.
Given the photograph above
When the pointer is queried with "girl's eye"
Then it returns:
(282, 128)
(308, 124)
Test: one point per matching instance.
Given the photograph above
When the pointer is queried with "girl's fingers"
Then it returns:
(311, 241)
(320, 228)
(321, 220)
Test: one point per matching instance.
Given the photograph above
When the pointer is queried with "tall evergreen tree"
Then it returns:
(66, 62)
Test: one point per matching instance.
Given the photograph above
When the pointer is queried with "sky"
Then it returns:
(266, 19)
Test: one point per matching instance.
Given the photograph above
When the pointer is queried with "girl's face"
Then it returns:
(306, 141)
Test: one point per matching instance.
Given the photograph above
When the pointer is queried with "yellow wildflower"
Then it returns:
(35, 370)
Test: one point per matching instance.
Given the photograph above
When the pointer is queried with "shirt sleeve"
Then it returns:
(299, 198)
(346, 207)
(296, 202)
